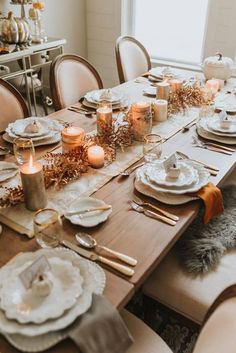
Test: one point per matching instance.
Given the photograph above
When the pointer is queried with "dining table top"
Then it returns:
(132, 233)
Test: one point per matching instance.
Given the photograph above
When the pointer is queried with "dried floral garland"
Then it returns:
(187, 96)
(62, 168)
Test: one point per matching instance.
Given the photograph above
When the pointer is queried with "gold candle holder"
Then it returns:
(104, 118)
(72, 137)
(141, 120)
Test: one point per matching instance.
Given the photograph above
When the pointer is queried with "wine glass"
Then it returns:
(47, 228)
(152, 148)
(23, 150)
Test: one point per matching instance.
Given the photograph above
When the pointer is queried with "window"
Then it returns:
(170, 29)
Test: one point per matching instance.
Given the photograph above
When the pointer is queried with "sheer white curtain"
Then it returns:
(171, 29)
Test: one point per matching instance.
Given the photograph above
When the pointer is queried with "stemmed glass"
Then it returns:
(47, 228)
(152, 148)
(23, 150)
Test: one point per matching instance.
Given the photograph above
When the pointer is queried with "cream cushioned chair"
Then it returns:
(71, 76)
(216, 336)
(191, 296)
(12, 105)
(132, 58)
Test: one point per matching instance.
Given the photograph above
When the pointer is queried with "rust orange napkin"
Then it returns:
(213, 201)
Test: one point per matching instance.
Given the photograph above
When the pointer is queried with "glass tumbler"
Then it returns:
(47, 228)
(23, 150)
(152, 148)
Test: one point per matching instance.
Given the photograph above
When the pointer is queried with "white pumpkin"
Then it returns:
(218, 66)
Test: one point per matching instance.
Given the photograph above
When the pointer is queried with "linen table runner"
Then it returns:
(21, 219)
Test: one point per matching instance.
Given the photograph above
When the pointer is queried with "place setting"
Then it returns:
(42, 131)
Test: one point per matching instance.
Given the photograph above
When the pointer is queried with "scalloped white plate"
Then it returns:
(24, 306)
(94, 282)
(96, 95)
(209, 136)
(6, 173)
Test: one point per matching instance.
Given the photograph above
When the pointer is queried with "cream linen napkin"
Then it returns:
(101, 329)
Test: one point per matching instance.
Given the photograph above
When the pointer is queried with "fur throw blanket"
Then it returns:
(201, 246)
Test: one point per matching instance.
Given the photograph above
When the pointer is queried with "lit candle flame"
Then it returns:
(31, 161)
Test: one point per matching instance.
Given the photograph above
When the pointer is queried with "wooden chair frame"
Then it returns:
(53, 80)
(118, 56)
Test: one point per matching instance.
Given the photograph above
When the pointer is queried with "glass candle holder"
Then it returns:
(23, 150)
(48, 228)
(104, 118)
(152, 148)
(141, 119)
(72, 137)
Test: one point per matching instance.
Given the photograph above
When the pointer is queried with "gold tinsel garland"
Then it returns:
(61, 168)
(187, 96)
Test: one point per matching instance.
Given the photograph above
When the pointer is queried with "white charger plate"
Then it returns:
(18, 127)
(210, 136)
(46, 141)
(94, 105)
(24, 306)
(157, 174)
(7, 174)
(94, 282)
(202, 181)
(89, 219)
(214, 124)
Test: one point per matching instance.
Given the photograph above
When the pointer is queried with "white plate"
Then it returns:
(157, 174)
(203, 180)
(24, 306)
(166, 198)
(18, 127)
(46, 141)
(94, 105)
(150, 91)
(53, 126)
(7, 174)
(94, 282)
(89, 219)
(228, 107)
(97, 95)
(203, 123)
(214, 123)
(209, 136)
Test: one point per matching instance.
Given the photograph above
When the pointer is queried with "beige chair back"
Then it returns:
(218, 335)
(132, 58)
(71, 76)
(12, 105)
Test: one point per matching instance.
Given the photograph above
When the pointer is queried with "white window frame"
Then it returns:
(127, 28)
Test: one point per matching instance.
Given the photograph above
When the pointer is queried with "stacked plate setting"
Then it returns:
(152, 180)
(49, 131)
(32, 323)
(213, 128)
(92, 99)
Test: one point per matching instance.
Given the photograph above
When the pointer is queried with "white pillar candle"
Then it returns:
(104, 118)
(163, 90)
(96, 156)
(33, 185)
(160, 110)
(213, 85)
(72, 137)
(175, 85)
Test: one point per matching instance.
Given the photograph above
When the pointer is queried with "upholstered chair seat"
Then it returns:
(12, 105)
(71, 76)
(132, 58)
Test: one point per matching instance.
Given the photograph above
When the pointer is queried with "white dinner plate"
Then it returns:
(150, 91)
(95, 105)
(98, 95)
(7, 170)
(46, 141)
(18, 127)
(188, 175)
(228, 107)
(214, 124)
(94, 282)
(25, 306)
(88, 219)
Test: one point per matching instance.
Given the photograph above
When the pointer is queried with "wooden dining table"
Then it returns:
(132, 233)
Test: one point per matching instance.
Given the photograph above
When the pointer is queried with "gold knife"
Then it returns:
(94, 257)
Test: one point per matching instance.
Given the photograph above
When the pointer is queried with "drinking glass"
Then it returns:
(152, 148)
(23, 149)
(47, 228)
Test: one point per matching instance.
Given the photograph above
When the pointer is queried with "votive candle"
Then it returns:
(72, 137)
(175, 85)
(96, 156)
(104, 118)
(141, 119)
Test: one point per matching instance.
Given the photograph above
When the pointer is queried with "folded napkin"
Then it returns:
(101, 329)
(213, 201)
